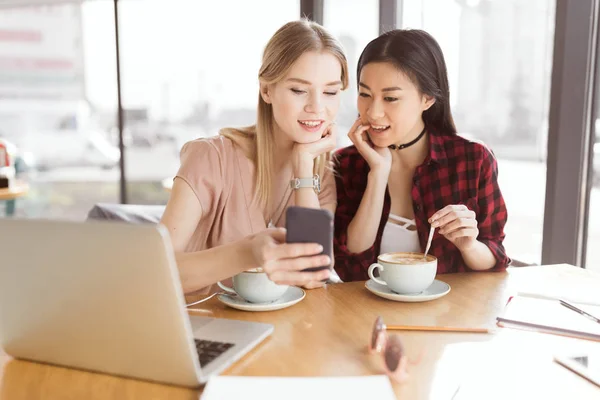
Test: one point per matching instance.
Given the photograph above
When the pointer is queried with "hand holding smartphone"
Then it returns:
(310, 225)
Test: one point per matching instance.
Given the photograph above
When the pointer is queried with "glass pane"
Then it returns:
(499, 57)
(355, 23)
(592, 260)
(189, 68)
(50, 118)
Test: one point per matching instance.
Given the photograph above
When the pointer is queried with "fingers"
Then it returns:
(364, 135)
(356, 133)
(360, 138)
(291, 251)
(325, 144)
(329, 141)
(314, 285)
(284, 262)
(355, 126)
(331, 130)
(278, 234)
(463, 232)
(450, 213)
(297, 278)
(464, 219)
(296, 264)
(290, 271)
(455, 221)
(446, 210)
(360, 134)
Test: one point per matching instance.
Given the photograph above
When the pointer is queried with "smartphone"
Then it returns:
(310, 225)
(586, 366)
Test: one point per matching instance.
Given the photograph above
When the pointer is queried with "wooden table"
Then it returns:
(18, 189)
(326, 334)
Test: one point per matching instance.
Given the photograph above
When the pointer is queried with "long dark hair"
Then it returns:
(417, 54)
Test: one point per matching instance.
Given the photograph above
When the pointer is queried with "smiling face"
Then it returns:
(306, 101)
(391, 103)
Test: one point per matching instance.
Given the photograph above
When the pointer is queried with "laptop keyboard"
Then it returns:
(208, 351)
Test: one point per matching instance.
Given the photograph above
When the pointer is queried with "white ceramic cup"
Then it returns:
(255, 287)
(405, 273)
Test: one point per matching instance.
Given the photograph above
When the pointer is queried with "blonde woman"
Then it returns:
(227, 207)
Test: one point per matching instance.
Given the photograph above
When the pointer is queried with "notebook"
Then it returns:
(298, 388)
(549, 316)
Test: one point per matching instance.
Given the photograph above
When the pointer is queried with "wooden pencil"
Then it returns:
(436, 329)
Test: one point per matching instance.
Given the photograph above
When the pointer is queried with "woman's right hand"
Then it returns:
(378, 158)
(283, 262)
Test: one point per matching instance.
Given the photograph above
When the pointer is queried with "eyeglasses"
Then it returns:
(395, 361)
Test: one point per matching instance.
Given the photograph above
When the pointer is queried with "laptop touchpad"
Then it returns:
(199, 322)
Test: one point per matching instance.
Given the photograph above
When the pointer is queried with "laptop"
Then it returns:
(106, 297)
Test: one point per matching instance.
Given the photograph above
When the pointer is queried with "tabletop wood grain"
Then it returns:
(327, 333)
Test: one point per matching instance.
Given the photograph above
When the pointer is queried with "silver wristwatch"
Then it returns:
(314, 182)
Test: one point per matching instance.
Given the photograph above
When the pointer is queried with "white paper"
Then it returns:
(574, 297)
(513, 366)
(551, 314)
(573, 284)
(296, 388)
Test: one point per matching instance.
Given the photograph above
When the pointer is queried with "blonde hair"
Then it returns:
(284, 48)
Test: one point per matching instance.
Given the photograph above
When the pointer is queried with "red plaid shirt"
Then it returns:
(456, 171)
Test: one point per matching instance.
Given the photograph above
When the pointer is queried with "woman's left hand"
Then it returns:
(458, 224)
(305, 153)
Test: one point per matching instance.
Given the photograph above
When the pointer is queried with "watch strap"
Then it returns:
(314, 182)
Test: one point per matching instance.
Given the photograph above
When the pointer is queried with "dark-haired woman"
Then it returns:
(408, 170)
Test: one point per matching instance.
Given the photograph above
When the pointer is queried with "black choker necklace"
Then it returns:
(405, 145)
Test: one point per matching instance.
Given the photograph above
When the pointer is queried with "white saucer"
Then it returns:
(435, 291)
(291, 296)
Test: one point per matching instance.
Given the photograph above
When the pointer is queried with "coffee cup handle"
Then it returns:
(226, 288)
(372, 269)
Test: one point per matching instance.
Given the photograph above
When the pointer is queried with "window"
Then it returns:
(47, 108)
(355, 24)
(499, 59)
(189, 68)
(592, 260)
